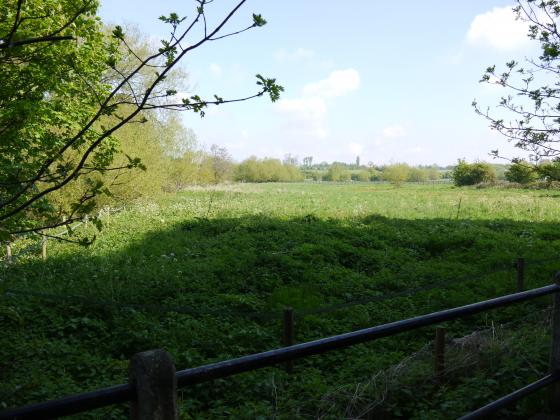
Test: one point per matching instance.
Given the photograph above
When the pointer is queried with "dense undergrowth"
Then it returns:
(206, 273)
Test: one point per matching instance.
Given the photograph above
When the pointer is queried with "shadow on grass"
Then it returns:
(217, 276)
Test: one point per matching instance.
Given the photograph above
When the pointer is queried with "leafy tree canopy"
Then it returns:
(521, 172)
(473, 173)
(529, 114)
(396, 173)
(549, 170)
(67, 87)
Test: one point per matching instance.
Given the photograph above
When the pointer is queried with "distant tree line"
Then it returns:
(396, 173)
(173, 159)
(519, 172)
(267, 170)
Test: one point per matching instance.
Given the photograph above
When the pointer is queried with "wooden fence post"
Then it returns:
(44, 248)
(8, 251)
(288, 339)
(152, 377)
(439, 355)
(554, 389)
(520, 266)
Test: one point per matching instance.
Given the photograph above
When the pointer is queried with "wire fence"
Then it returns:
(156, 369)
(492, 345)
(41, 243)
(91, 301)
(441, 181)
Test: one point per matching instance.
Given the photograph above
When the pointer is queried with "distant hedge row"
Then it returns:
(394, 173)
(266, 170)
(520, 172)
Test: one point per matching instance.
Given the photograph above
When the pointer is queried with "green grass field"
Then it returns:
(206, 273)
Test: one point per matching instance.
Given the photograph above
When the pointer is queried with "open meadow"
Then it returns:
(206, 273)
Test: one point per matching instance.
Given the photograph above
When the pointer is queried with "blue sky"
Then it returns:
(388, 81)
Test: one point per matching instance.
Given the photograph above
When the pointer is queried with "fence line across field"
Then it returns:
(42, 244)
(447, 355)
(281, 314)
(153, 381)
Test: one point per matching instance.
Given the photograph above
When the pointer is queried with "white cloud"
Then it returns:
(498, 29)
(305, 116)
(339, 83)
(393, 131)
(215, 69)
(298, 54)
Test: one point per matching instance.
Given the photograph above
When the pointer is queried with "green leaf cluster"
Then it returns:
(49, 92)
(473, 173)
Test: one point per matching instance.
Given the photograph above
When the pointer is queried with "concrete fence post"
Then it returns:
(152, 377)
(554, 389)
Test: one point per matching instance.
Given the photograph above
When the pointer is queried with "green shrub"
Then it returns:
(316, 176)
(397, 173)
(336, 173)
(266, 170)
(521, 172)
(374, 174)
(417, 175)
(473, 173)
(361, 176)
(549, 171)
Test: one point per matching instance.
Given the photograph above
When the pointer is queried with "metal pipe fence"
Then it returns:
(147, 398)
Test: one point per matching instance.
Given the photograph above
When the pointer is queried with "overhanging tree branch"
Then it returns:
(21, 195)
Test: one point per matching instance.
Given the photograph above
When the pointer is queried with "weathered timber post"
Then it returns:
(554, 390)
(288, 339)
(8, 251)
(439, 355)
(520, 266)
(44, 248)
(152, 377)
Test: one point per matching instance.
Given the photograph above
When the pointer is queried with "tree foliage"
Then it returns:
(267, 170)
(337, 172)
(396, 173)
(521, 172)
(529, 114)
(473, 173)
(417, 175)
(549, 170)
(67, 88)
(45, 99)
(361, 176)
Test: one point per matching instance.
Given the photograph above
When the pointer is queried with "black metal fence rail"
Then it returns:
(509, 399)
(142, 400)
